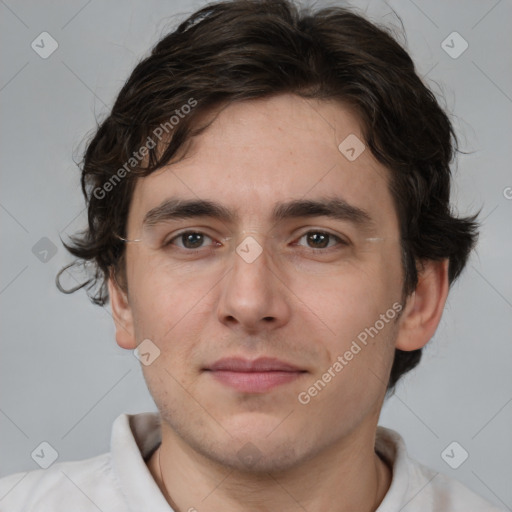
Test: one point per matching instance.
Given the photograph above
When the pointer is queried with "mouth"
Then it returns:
(256, 376)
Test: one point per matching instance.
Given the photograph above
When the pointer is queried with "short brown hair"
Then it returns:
(237, 50)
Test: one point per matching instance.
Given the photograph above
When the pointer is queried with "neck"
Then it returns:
(351, 476)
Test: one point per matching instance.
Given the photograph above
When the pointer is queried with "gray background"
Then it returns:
(63, 378)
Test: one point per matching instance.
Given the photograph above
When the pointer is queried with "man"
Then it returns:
(269, 216)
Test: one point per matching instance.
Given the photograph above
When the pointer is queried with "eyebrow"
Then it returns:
(331, 207)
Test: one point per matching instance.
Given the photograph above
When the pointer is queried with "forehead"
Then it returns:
(262, 152)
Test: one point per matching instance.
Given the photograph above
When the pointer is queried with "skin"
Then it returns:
(291, 303)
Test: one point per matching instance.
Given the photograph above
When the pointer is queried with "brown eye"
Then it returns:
(321, 239)
(190, 240)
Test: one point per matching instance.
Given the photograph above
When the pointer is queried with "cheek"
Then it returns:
(161, 298)
(358, 304)
(172, 312)
(354, 295)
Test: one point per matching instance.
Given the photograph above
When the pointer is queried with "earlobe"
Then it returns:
(123, 317)
(424, 307)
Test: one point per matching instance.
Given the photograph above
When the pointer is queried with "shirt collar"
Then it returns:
(390, 445)
(134, 438)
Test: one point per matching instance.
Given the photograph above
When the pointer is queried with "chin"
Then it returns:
(262, 460)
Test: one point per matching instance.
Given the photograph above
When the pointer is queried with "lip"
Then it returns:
(255, 376)
(262, 364)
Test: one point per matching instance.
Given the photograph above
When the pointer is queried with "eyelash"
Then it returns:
(340, 241)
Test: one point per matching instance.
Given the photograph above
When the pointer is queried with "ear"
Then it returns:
(424, 307)
(122, 313)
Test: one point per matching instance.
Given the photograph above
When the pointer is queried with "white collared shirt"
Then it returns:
(120, 481)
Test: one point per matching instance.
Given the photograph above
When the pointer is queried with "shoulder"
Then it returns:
(445, 494)
(418, 488)
(87, 484)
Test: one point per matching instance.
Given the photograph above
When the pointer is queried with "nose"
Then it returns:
(254, 296)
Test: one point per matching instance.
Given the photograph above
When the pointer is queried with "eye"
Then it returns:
(191, 240)
(321, 239)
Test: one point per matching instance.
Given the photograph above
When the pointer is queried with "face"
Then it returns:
(307, 287)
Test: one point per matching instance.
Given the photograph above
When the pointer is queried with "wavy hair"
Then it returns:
(237, 50)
